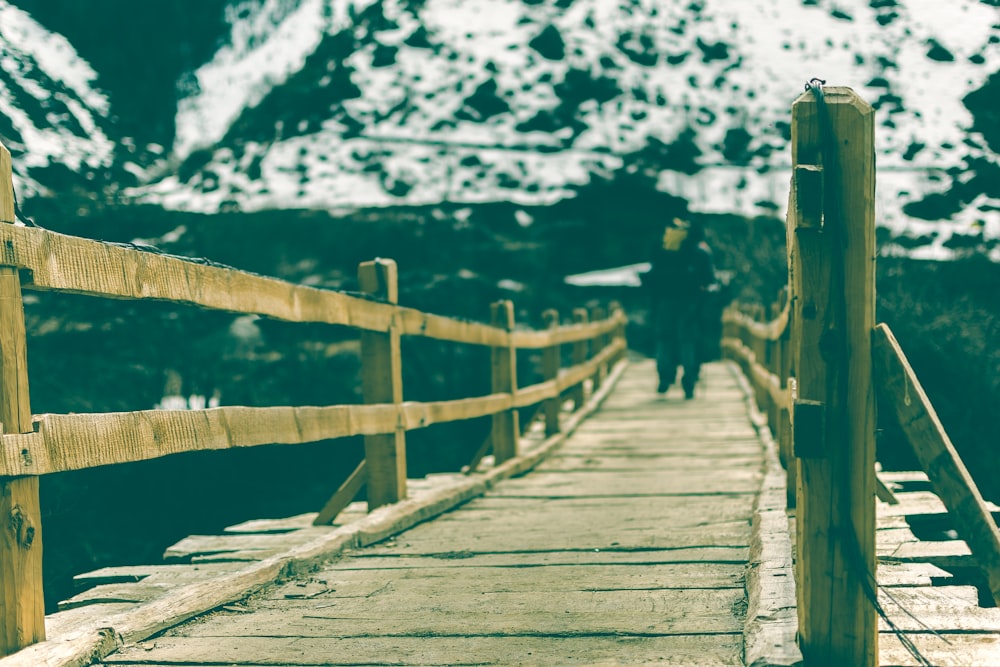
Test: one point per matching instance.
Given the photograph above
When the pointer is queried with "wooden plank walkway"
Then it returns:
(950, 622)
(627, 546)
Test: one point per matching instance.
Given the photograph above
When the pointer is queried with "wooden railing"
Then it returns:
(37, 259)
(816, 368)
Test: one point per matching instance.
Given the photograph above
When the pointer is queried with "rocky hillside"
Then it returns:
(339, 104)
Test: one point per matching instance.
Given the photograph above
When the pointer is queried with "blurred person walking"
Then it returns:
(680, 281)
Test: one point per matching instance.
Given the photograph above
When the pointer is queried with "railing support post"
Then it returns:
(382, 382)
(580, 347)
(832, 262)
(598, 314)
(615, 308)
(505, 430)
(22, 603)
(551, 360)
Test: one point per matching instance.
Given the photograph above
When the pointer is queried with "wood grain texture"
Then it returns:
(72, 442)
(382, 382)
(22, 608)
(83, 266)
(833, 287)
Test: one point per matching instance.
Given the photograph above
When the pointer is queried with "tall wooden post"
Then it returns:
(831, 229)
(505, 431)
(580, 348)
(615, 308)
(598, 314)
(551, 360)
(22, 604)
(382, 382)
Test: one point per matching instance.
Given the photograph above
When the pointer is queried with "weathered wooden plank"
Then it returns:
(582, 513)
(611, 462)
(903, 476)
(469, 538)
(265, 544)
(948, 650)
(343, 579)
(113, 593)
(950, 554)
(151, 574)
(722, 650)
(910, 574)
(597, 484)
(563, 558)
(660, 612)
(77, 441)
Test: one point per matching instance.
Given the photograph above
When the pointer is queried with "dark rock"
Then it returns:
(549, 44)
(912, 150)
(936, 206)
(419, 39)
(938, 52)
(982, 103)
(384, 56)
(712, 52)
(483, 103)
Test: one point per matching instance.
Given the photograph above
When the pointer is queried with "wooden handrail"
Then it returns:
(39, 259)
(54, 261)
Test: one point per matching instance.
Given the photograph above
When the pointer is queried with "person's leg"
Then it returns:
(690, 358)
(666, 348)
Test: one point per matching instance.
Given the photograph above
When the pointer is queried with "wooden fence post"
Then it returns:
(615, 308)
(22, 603)
(382, 382)
(551, 360)
(831, 226)
(598, 314)
(580, 349)
(505, 430)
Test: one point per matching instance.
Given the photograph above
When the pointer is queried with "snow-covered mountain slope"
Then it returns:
(348, 103)
(51, 115)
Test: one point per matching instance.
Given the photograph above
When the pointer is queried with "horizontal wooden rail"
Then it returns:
(771, 330)
(55, 261)
(758, 374)
(61, 443)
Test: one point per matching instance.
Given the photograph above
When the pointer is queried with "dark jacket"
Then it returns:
(682, 275)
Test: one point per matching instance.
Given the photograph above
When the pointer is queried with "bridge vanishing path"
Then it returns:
(628, 545)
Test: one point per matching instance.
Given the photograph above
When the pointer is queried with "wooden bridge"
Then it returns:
(614, 526)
